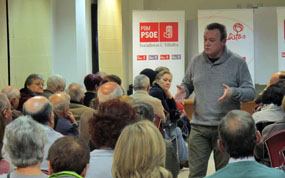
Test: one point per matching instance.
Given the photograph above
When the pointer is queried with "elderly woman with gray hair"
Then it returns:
(24, 142)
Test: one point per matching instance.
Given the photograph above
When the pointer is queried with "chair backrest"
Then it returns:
(275, 143)
(261, 125)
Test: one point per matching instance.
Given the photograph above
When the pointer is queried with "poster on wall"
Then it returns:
(281, 37)
(158, 40)
(239, 25)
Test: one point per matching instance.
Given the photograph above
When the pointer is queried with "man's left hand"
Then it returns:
(228, 91)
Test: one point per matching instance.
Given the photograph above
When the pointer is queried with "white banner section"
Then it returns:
(158, 40)
(281, 37)
(239, 25)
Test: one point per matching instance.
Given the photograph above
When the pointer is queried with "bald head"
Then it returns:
(13, 95)
(108, 91)
(39, 108)
(76, 92)
(275, 77)
(237, 133)
(60, 102)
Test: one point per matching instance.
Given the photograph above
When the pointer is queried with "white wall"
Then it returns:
(265, 43)
(71, 54)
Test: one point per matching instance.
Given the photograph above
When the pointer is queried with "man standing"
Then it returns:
(221, 80)
(238, 137)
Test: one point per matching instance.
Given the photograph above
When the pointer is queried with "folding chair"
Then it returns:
(275, 145)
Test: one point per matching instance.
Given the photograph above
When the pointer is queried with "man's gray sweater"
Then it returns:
(206, 79)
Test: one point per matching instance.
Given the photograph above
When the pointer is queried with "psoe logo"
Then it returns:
(159, 32)
(237, 27)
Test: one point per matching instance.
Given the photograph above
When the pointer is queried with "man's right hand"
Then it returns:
(180, 94)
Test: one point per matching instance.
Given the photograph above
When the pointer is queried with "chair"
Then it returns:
(275, 145)
(261, 125)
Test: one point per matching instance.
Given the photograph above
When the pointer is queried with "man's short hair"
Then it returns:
(141, 82)
(69, 154)
(31, 78)
(114, 92)
(219, 27)
(237, 133)
(4, 102)
(24, 141)
(55, 81)
(144, 111)
(42, 115)
(75, 91)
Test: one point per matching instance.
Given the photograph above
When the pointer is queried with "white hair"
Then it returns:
(11, 92)
(55, 81)
(75, 91)
(24, 140)
(141, 82)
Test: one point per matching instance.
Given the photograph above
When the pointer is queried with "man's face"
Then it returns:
(8, 114)
(213, 46)
(15, 101)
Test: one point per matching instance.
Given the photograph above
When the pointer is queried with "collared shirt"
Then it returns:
(233, 160)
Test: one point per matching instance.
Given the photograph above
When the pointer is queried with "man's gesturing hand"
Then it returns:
(228, 91)
(180, 94)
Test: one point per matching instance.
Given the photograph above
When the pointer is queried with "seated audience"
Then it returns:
(5, 119)
(141, 88)
(106, 92)
(260, 150)
(33, 87)
(4, 164)
(66, 123)
(24, 140)
(150, 74)
(91, 82)
(273, 80)
(40, 109)
(105, 128)
(140, 152)
(238, 137)
(145, 112)
(161, 91)
(271, 110)
(13, 95)
(68, 157)
(55, 83)
(76, 93)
